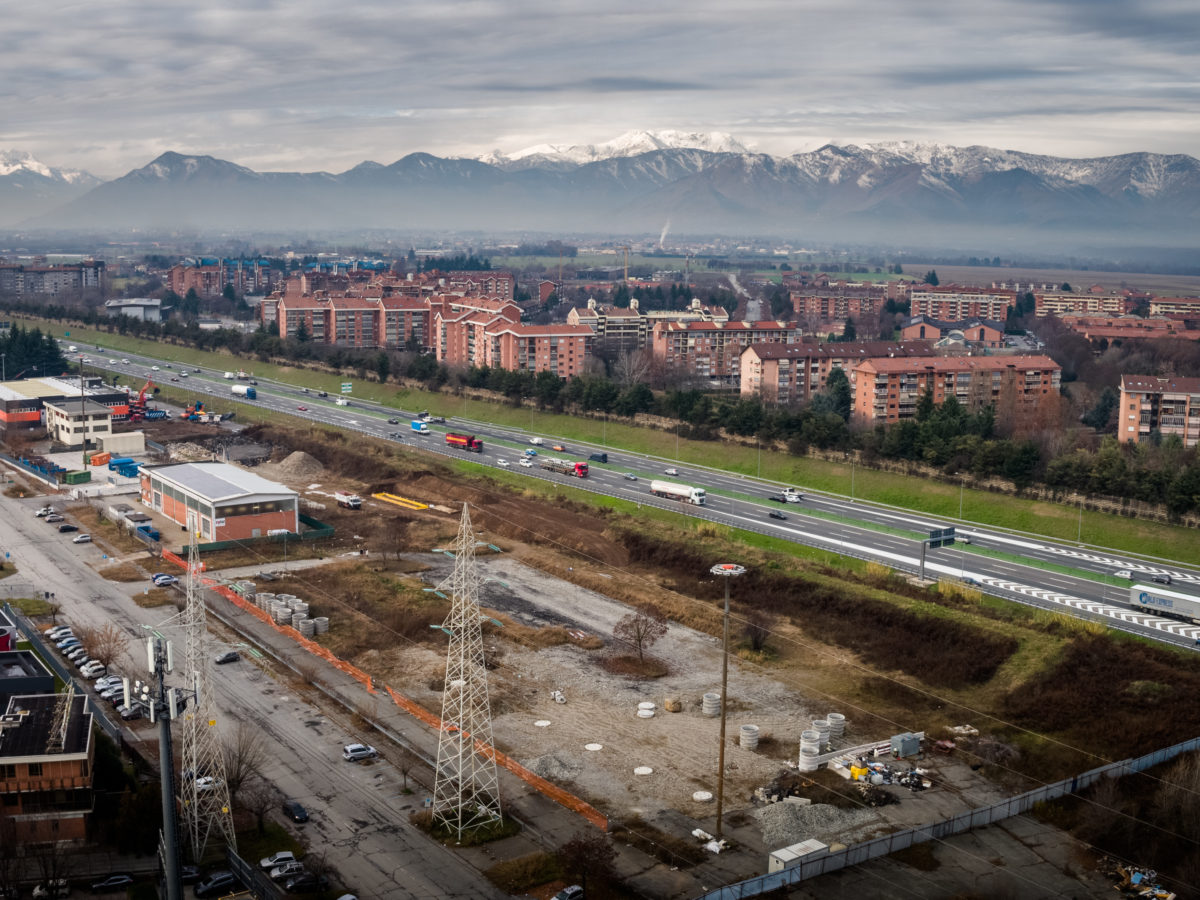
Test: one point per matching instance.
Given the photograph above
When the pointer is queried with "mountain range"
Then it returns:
(898, 194)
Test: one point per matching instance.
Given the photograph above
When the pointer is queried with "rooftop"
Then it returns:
(216, 481)
(1155, 385)
(31, 719)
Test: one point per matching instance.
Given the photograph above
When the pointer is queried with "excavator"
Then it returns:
(137, 408)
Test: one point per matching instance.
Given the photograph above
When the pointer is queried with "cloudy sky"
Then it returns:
(312, 85)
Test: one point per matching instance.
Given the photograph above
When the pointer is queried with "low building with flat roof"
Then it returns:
(223, 502)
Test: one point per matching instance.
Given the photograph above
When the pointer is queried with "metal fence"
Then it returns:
(976, 818)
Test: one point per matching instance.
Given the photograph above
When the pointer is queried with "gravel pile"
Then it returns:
(299, 464)
(557, 766)
(784, 824)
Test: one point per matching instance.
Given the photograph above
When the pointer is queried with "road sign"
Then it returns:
(941, 537)
(347, 387)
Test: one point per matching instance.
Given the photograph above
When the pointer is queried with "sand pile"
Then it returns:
(299, 465)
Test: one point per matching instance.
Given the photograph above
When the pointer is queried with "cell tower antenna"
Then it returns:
(466, 789)
(205, 802)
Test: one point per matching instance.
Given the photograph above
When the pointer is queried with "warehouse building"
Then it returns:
(22, 403)
(224, 502)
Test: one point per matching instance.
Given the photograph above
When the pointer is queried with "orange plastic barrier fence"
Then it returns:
(175, 558)
(418, 712)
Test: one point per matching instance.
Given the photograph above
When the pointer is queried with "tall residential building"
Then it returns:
(792, 373)
(955, 304)
(1176, 307)
(1058, 303)
(621, 329)
(886, 390)
(1158, 404)
(714, 349)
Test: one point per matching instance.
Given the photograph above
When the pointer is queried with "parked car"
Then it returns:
(571, 892)
(162, 579)
(287, 871)
(81, 661)
(132, 711)
(276, 859)
(355, 752)
(227, 657)
(118, 881)
(66, 527)
(67, 643)
(84, 538)
(189, 874)
(207, 783)
(1160, 578)
(112, 694)
(58, 632)
(776, 514)
(308, 883)
(104, 682)
(629, 476)
(216, 884)
(295, 811)
(54, 517)
(92, 669)
(44, 511)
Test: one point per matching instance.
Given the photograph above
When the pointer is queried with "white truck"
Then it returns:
(682, 492)
(791, 495)
(244, 390)
(342, 401)
(347, 500)
(229, 376)
(537, 442)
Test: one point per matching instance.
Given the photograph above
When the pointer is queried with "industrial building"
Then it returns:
(76, 423)
(22, 403)
(226, 503)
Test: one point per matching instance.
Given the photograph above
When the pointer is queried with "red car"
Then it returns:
(302, 408)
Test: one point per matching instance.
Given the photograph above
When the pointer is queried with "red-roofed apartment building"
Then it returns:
(1165, 405)
(886, 390)
(714, 349)
(955, 304)
(1176, 307)
(792, 373)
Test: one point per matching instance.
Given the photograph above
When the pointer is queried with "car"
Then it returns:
(68, 643)
(154, 369)
(124, 362)
(1123, 573)
(133, 711)
(112, 362)
(671, 471)
(164, 580)
(598, 457)
(57, 888)
(1160, 578)
(295, 811)
(629, 476)
(308, 883)
(216, 884)
(559, 448)
(183, 374)
(72, 651)
(81, 660)
(174, 378)
(116, 692)
(776, 498)
(167, 365)
(227, 657)
(189, 874)
(82, 539)
(44, 511)
(355, 752)
(530, 452)
(503, 463)
(286, 871)
(86, 359)
(104, 682)
(67, 527)
(276, 859)
(393, 421)
(207, 783)
(962, 539)
(302, 408)
(526, 462)
(322, 393)
(54, 517)
(304, 390)
(59, 632)
(118, 881)
(776, 514)
(94, 669)
(570, 892)
(197, 371)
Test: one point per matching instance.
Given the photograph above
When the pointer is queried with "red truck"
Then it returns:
(566, 467)
(464, 442)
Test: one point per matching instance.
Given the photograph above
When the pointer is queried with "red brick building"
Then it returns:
(976, 332)
(955, 304)
(222, 502)
(1163, 405)
(714, 349)
(793, 373)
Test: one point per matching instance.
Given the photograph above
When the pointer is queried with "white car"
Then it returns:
(502, 462)
(92, 669)
(154, 369)
(672, 471)
(355, 752)
(207, 783)
(1123, 573)
(81, 539)
(124, 362)
(526, 462)
(277, 859)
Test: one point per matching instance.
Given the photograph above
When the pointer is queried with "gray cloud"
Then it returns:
(306, 85)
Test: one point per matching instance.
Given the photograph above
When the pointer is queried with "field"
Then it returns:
(1166, 285)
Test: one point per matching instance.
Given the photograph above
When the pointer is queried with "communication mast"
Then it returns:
(203, 791)
(466, 789)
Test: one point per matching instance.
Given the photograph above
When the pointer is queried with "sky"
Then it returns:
(310, 85)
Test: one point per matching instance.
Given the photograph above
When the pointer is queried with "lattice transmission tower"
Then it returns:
(204, 791)
(466, 789)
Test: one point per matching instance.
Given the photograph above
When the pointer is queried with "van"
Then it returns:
(342, 401)
(599, 457)
(537, 441)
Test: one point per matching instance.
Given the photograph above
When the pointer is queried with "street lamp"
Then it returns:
(726, 571)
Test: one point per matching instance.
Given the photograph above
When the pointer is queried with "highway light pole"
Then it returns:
(726, 571)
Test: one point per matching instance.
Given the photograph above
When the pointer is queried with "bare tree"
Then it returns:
(104, 644)
(257, 798)
(245, 752)
(589, 857)
(405, 762)
(641, 629)
(758, 628)
(631, 367)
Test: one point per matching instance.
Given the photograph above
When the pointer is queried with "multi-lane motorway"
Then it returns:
(1074, 580)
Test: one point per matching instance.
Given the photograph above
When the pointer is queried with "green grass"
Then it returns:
(1051, 520)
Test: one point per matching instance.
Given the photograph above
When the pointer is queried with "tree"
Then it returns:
(589, 857)
(1066, 286)
(931, 278)
(245, 752)
(258, 798)
(849, 332)
(303, 335)
(837, 388)
(1097, 417)
(758, 628)
(103, 644)
(383, 366)
(641, 629)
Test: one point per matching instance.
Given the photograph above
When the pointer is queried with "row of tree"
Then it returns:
(28, 353)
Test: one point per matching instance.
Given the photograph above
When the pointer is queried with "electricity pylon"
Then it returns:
(204, 791)
(466, 788)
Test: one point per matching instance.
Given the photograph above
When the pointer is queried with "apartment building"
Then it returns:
(886, 390)
(1176, 307)
(956, 304)
(1129, 328)
(973, 332)
(46, 765)
(714, 349)
(560, 349)
(498, 284)
(620, 328)
(793, 373)
(1058, 303)
(1159, 404)
(20, 280)
(209, 276)
(840, 302)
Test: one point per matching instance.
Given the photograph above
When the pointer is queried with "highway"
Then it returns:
(1075, 580)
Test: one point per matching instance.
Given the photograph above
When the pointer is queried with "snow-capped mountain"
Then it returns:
(957, 197)
(631, 143)
(29, 187)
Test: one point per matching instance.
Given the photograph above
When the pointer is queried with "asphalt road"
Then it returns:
(842, 524)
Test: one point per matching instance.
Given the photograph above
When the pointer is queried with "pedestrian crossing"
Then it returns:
(1121, 614)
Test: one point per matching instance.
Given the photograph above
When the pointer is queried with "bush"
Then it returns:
(517, 876)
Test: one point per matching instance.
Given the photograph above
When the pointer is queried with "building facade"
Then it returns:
(714, 349)
(793, 373)
(975, 332)
(957, 304)
(1057, 303)
(223, 502)
(1151, 404)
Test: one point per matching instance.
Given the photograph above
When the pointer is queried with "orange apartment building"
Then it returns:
(1176, 307)
(956, 304)
(714, 349)
(46, 764)
(560, 349)
(1057, 303)
(793, 373)
(1129, 328)
(887, 390)
(223, 502)
(1164, 405)
(838, 303)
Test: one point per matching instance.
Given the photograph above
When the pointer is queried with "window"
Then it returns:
(8, 770)
(35, 770)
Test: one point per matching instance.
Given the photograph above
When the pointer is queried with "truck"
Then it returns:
(684, 493)
(242, 390)
(341, 401)
(1153, 599)
(243, 375)
(464, 442)
(420, 427)
(566, 467)
(426, 416)
(791, 495)
(537, 441)
(152, 414)
(347, 500)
